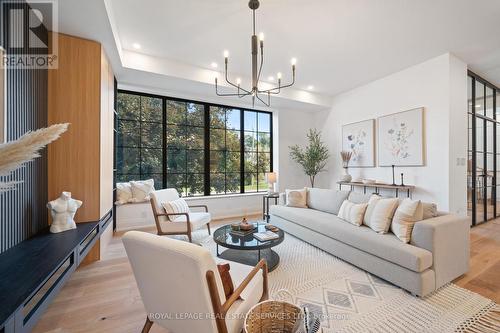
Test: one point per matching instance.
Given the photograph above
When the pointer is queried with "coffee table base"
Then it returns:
(252, 257)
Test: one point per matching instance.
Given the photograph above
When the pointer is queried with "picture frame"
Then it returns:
(401, 138)
(359, 138)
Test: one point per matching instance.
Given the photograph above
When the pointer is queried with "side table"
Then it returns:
(265, 204)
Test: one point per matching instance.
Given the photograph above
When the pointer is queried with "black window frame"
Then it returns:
(206, 172)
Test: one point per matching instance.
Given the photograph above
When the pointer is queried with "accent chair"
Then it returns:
(182, 290)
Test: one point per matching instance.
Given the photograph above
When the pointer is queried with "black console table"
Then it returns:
(33, 272)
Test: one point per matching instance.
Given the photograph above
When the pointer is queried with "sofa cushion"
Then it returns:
(385, 246)
(358, 197)
(296, 198)
(352, 213)
(326, 200)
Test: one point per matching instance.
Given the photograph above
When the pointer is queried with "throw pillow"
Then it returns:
(381, 215)
(174, 207)
(352, 213)
(123, 193)
(404, 219)
(142, 189)
(227, 281)
(296, 198)
(374, 198)
(429, 210)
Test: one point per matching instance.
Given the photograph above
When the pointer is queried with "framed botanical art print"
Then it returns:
(3, 111)
(359, 138)
(401, 138)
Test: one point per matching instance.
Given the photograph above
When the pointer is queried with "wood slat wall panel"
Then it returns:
(22, 211)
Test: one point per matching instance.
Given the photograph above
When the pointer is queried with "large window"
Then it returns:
(139, 145)
(197, 148)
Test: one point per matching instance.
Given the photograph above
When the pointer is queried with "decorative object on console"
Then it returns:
(255, 91)
(271, 178)
(313, 157)
(346, 156)
(63, 210)
(359, 138)
(402, 179)
(15, 153)
(393, 179)
(368, 181)
(400, 138)
(296, 198)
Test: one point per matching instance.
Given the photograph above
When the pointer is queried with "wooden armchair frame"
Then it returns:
(220, 310)
(188, 222)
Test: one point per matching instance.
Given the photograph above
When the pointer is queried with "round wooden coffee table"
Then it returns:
(247, 249)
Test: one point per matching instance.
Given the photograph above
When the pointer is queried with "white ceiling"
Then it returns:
(339, 44)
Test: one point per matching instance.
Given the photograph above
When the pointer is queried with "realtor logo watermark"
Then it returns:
(25, 34)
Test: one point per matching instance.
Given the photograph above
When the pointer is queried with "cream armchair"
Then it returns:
(189, 222)
(181, 288)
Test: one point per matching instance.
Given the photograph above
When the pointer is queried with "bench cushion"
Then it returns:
(385, 246)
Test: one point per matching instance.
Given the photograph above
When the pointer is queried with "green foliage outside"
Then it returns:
(140, 155)
(313, 157)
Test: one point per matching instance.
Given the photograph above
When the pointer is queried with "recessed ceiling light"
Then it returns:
(136, 46)
(271, 78)
(213, 64)
(310, 87)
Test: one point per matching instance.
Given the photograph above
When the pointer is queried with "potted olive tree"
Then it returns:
(313, 157)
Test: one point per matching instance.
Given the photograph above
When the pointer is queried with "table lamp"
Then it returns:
(271, 180)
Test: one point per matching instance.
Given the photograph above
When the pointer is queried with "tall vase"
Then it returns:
(346, 177)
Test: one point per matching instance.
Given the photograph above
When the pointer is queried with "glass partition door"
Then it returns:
(483, 150)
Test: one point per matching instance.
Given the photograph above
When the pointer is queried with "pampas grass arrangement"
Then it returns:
(15, 153)
(346, 157)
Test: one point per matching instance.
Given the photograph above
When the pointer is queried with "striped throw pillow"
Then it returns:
(176, 206)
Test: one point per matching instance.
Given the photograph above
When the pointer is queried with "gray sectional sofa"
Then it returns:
(437, 254)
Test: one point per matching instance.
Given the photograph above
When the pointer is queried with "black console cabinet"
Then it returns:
(33, 272)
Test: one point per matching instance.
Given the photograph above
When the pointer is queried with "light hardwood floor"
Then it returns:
(103, 297)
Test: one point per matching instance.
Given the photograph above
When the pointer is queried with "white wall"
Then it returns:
(439, 85)
(292, 129)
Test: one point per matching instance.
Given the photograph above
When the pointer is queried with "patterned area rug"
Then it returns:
(348, 299)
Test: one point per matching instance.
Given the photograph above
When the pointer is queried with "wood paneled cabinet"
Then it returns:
(81, 92)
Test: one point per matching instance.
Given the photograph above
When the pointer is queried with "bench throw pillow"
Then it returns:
(123, 193)
(174, 207)
(408, 212)
(352, 213)
(296, 198)
(142, 189)
(381, 214)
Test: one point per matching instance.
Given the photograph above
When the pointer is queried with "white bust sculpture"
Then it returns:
(63, 211)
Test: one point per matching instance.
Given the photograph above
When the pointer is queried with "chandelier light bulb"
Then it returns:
(279, 76)
(226, 54)
(294, 61)
(261, 36)
(238, 81)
